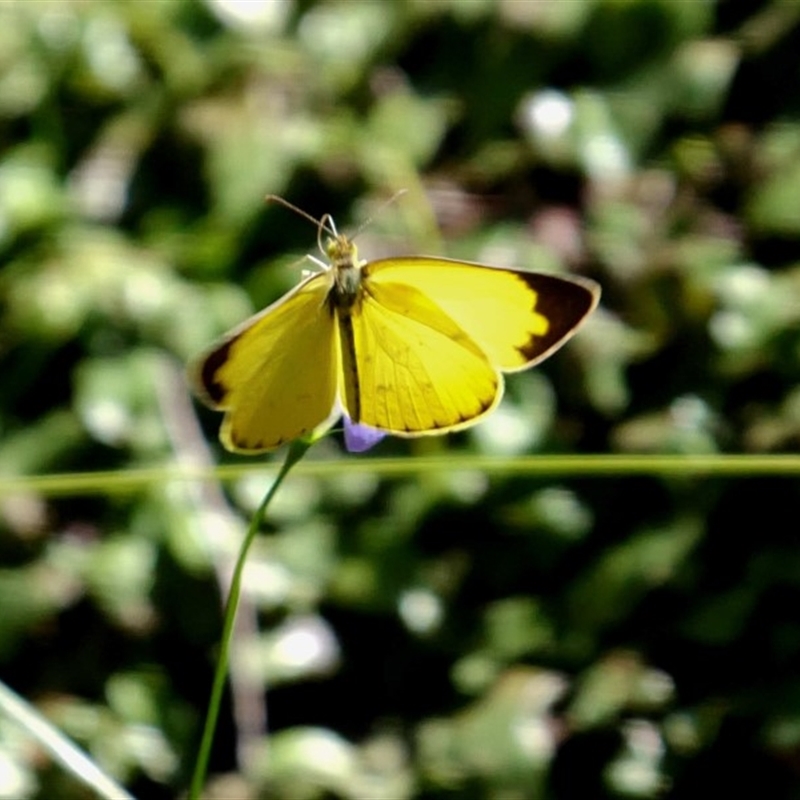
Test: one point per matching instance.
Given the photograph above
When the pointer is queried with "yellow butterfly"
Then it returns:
(410, 346)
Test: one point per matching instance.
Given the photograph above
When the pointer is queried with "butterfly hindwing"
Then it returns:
(408, 368)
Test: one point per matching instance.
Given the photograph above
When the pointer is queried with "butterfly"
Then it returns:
(410, 346)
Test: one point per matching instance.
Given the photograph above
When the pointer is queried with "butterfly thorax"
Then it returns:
(346, 269)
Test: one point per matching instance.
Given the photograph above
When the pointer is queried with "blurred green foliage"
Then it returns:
(453, 634)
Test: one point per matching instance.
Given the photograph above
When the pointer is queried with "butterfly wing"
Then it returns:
(517, 318)
(408, 368)
(275, 375)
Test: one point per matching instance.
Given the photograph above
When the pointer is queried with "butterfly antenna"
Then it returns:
(324, 224)
(381, 208)
(328, 225)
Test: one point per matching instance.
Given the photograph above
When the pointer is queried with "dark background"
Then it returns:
(432, 633)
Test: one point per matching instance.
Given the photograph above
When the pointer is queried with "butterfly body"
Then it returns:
(410, 346)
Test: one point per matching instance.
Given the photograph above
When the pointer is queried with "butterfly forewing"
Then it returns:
(276, 375)
(518, 318)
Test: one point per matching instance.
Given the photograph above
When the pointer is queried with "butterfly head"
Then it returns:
(341, 252)
(343, 257)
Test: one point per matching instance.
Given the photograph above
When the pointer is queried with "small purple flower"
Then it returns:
(358, 438)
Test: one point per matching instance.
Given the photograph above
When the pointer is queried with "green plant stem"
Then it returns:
(297, 450)
(598, 465)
